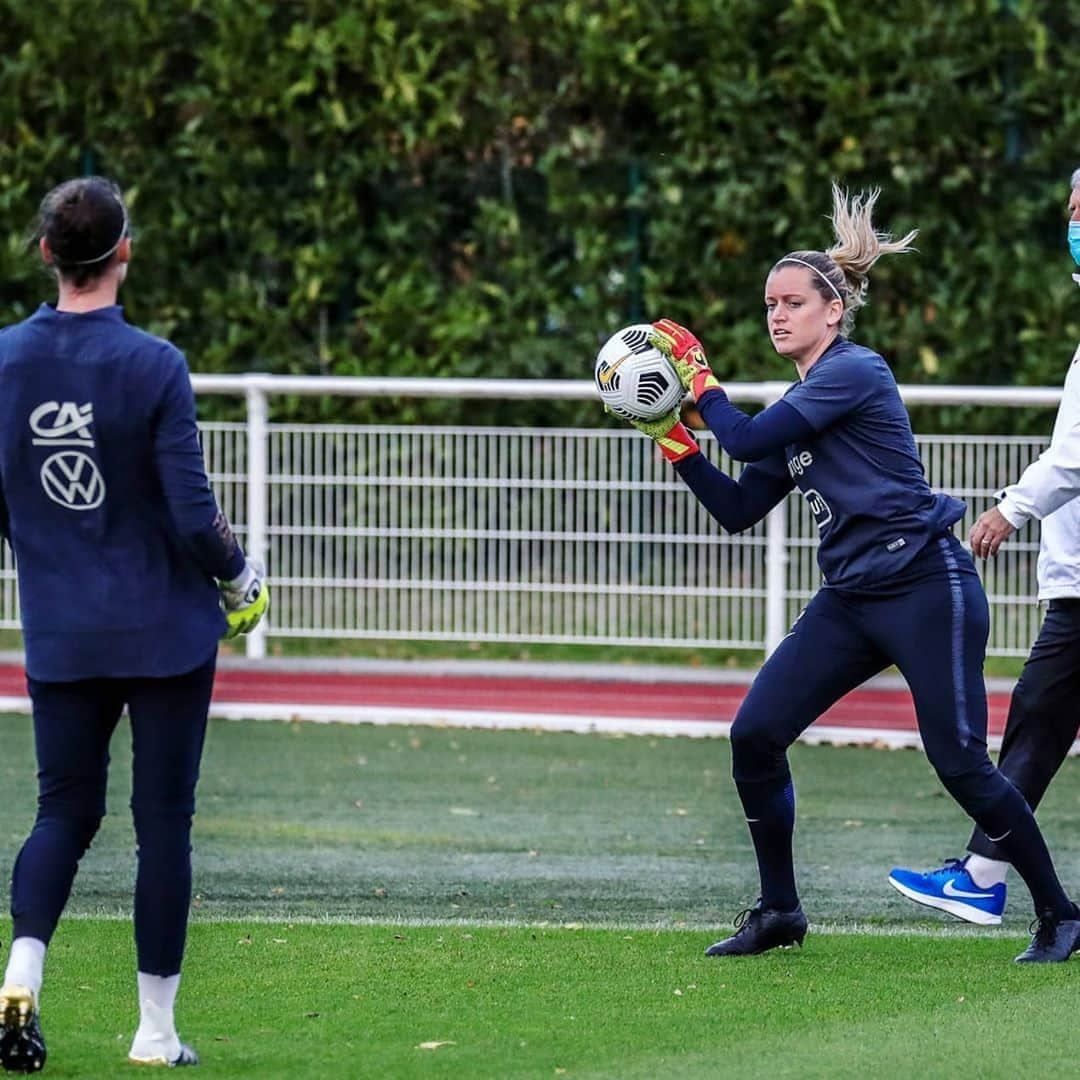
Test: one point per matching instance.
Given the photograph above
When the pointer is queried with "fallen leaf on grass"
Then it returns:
(434, 1044)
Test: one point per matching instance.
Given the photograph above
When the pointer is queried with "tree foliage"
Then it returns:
(491, 188)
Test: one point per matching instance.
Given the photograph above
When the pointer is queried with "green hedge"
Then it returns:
(476, 188)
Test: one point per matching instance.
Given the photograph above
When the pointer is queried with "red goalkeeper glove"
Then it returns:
(686, 355)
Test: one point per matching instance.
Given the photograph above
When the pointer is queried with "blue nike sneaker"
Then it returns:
(951, 889)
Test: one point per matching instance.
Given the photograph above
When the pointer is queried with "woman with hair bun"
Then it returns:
(128, 576)
(898, 587)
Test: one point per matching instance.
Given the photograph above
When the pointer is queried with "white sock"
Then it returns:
(26, 964)
(156, 1036)
(986, 872)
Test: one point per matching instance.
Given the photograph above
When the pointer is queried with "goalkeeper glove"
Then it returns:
(686, 355)
(245, 600)
(668, 432)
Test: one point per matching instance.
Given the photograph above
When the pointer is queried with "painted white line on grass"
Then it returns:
(829, 929)
(380, 715)
(821, 734)
(469, 718)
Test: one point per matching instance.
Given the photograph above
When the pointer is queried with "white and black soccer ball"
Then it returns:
(635, 379)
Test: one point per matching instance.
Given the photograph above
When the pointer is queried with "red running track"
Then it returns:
(881, 709)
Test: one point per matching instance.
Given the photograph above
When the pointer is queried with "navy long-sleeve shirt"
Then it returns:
(105, 501)
(843, 437)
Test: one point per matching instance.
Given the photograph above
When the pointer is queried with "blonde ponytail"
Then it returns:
(858, 245)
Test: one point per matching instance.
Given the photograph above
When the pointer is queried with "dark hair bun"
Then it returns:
(83, 221)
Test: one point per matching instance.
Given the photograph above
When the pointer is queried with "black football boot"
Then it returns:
(1054, 940)
(759, 929)
(22, 1046)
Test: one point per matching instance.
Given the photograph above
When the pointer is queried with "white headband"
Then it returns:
(102, 258)
(803, 262)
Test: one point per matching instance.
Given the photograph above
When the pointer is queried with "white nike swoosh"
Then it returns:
(951, 890)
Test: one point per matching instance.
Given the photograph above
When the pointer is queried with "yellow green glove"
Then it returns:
(245, 600)
(669, 433)
(687, 356)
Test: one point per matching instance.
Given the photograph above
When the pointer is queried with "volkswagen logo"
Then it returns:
(72, 479)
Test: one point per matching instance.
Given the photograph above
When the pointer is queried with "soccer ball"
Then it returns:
(635, 379)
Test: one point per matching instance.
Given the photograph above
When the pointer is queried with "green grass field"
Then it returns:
(537, 905)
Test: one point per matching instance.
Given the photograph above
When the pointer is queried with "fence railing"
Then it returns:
(524, 534)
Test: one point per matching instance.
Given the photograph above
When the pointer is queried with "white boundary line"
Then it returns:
(515, 721)
(947, 929)
(379, 715)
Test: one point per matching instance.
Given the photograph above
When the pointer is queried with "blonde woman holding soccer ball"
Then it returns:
(899, 588)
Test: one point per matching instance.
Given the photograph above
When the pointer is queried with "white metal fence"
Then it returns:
(521, 534)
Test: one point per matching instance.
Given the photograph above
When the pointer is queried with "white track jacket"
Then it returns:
(1047, 491)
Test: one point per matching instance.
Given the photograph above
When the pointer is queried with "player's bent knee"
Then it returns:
(80, 828)
(157, 827)
(975, 785)
(756, 753)
(1031, 702)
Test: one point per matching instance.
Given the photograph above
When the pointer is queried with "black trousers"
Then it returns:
(1044, 713)
(73, 724)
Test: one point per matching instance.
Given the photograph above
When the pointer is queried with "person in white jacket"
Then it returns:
(1044, 713)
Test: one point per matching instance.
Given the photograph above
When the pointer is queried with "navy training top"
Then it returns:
(105, 501)
(857, 467)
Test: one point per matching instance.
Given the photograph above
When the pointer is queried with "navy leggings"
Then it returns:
(73, 724)
(933, 626)
(932, 623)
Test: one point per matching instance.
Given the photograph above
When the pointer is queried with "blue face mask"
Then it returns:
(1074, 241)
